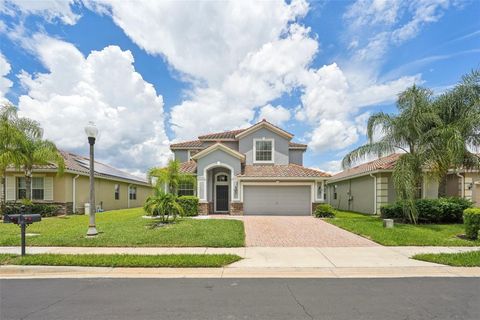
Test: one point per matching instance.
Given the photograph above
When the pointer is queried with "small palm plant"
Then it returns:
(163, 205)
(170, 177)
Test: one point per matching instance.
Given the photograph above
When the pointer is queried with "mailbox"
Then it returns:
(27, 218)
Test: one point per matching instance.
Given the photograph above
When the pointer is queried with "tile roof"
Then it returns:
(188, 167)
(80, 164)
(221, 135)
(295, 145)
(192, 144)
(289, 170)
(384, 163)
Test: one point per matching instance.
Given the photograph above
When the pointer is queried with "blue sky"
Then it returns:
(149, 73)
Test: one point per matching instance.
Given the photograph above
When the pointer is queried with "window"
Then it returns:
(117, 192)
(222, 178)
(186, 189)
(263, 150)
(132, 193)
(21, 188)
(335, 192)
(37, 188)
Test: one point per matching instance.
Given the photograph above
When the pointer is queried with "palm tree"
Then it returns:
(164, 205)
(458, 133)
(171, 177)
(405, 132)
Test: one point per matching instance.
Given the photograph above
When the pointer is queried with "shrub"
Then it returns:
(44, 209)
(324, 211)
(189, 205)
(442, 210)
(163, 205)
(471, 218)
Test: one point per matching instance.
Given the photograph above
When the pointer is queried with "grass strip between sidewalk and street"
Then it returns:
(462, 259)
(122, 260)
(371, 227)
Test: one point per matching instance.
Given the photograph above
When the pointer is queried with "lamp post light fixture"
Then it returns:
(92, 132)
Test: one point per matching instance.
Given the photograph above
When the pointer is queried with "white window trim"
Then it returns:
(220, 183)
(321, 184)
(255, 150)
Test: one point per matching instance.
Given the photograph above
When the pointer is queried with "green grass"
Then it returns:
(463, 259)
(371, 227)
(127, 228)
(122, 260)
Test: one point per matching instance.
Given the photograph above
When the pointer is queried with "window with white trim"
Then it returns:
(38, 188)
(117, 192)
(21, 188)
(132, 193)
(186, 189)
(263, 150)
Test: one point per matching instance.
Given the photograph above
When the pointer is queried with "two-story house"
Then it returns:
(257, 170)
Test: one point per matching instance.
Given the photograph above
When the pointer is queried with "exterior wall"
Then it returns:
(180, 155)
(382, 190)
(392, 192)
(356, 194)
(452, 188)
(430, 188)
(104, 192)
(281, 155)
(295, 156)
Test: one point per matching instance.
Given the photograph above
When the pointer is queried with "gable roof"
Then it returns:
(265, 124)
(192, 144)
(281, 171)
(226, 135)
(218, 146)
(77, 164)
(386, 163)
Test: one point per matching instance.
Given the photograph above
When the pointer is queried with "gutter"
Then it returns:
(463, 184)
(374, 193)
(74, 193)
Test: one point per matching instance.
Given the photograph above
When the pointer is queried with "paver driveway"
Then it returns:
(294, 231)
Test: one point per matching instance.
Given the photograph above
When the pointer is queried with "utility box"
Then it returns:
(388, 223)
(87, 208)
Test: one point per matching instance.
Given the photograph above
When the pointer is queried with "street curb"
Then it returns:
(50, 272)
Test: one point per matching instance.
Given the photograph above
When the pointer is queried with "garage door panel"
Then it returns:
(276, 200)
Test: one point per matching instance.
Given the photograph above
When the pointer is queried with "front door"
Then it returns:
(221, 200)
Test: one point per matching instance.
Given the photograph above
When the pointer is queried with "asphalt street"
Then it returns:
(352, 299)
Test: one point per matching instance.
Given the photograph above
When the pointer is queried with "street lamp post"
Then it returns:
(92, 131)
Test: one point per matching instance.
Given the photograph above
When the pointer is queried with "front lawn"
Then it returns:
(371, 227)
(463, 259)
(122, 260)
(127, 228)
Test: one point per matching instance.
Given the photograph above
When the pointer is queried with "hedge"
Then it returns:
(324, 211)
(44, 209)
(442, 210)
(471, 217)
(189, 205)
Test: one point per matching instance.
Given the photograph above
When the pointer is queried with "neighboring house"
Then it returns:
(114, 189)
(367, 187)
(257, 170)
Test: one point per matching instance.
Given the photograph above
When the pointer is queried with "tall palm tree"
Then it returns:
(170, 176)
(405, 132)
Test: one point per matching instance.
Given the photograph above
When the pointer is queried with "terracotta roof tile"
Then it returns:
(221, 135)
(193, 144)
(297, 145)
(290, 171)
(384, 163)
(188, 167)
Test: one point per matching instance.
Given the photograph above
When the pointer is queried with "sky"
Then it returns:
(151, 73)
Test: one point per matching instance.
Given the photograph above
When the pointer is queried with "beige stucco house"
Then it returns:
(114, 189)
(367, 187)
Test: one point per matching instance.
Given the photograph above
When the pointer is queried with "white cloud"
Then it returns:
(103, 87)
(49, 9)
(277, 115)
(332, 167)
(205, 40)
(5, 83)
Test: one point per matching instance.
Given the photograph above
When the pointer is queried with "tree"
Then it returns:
(163, 205)
(171, 177)
(404, 131)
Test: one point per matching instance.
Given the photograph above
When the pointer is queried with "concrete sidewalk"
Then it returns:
(259, 262)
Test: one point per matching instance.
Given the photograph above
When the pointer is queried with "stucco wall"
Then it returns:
(295, 156)
(281, 155)
(181, 155)
(360, 189)
(218, 156)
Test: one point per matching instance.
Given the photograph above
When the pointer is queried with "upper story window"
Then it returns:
(263, 150)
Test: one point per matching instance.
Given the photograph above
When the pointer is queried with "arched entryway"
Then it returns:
(221, 192)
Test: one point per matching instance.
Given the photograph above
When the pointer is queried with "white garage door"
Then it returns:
(277, 200)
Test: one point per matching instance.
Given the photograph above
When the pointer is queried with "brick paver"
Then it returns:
(290, 231)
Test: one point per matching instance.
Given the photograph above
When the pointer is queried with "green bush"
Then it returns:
(189, 205)
(471, 218)
(44, 209)
(442, 210)
(324, 211)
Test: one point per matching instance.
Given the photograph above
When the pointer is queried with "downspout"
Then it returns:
(374, 193)
(74, 193)
(463, 184)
